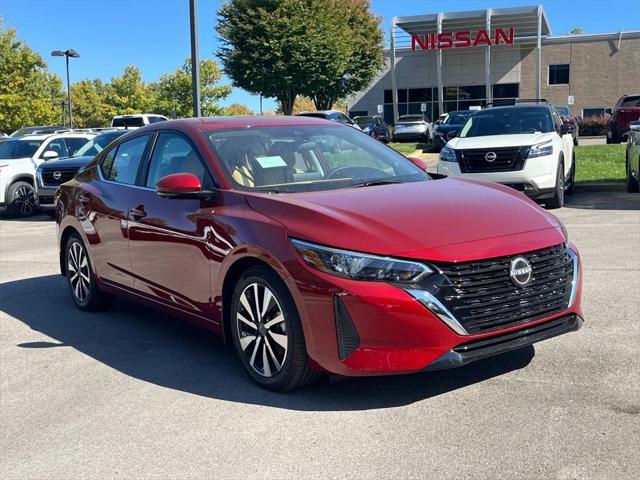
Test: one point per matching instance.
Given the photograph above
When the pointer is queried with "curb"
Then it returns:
(600, 187)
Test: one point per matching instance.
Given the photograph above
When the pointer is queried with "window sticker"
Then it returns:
(271, 162)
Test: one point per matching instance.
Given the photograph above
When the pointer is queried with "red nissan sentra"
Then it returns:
(314, 248)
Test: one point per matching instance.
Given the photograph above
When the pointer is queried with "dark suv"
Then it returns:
(626, 111)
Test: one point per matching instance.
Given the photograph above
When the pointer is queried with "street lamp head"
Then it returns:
(72, 53)
(57, 53)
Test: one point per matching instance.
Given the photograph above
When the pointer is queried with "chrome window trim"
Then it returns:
(431, 303)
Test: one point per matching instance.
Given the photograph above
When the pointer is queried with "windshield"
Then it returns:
(631, 102)
(97, 144)
(564, 111)
(456, 118)
(411, 118)
(12, 149)
(508, 121)
(363, 121)
(128, 122)
(307, 158)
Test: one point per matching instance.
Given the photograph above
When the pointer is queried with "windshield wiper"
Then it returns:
(372, 183)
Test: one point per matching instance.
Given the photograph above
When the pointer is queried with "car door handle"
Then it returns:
(137, 213)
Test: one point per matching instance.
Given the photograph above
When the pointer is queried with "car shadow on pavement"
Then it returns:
(156, 348)
(603, 201)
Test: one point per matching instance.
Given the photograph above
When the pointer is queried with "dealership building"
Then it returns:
(451, 61)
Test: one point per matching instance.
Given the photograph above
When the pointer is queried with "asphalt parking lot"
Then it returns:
(132, 393)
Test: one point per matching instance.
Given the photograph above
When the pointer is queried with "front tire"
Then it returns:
(267, 333)
(81, 279)
(21, 199)
(558, 195)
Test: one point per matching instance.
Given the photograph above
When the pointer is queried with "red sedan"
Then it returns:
(313, 248)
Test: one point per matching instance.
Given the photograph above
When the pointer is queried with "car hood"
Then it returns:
(78, 162)
(497, 141)
(450, 219)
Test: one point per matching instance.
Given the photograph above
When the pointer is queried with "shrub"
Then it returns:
(593, 126)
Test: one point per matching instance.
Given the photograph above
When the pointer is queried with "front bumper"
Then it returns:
(409, 136)
(537, 179)
(45, 197)
(389, 331)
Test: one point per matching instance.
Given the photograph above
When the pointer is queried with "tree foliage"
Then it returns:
(324, 49)
(29, 94)
(237, 109)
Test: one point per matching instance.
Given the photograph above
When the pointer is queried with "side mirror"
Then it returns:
(451, 134)
(418, 162)
(50, 155)
(566, 128)
(181, 185)
(608, 111)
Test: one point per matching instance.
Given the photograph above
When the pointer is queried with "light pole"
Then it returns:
(67, 53)
(195, 60)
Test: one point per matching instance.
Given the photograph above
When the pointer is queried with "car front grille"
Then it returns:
(66, 173)
(482, 297)
(481, 160)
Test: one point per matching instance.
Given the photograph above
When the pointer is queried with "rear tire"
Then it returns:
(558, 195)
(632, 183)
(81, 279)
(21, 200)
(267, 334)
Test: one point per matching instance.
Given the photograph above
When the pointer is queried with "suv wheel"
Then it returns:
(632, 183)
(558, 194)
(267, 333)
(81, 280)
(21, 199)
(570, 182)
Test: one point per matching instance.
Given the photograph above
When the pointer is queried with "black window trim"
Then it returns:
(143, 173)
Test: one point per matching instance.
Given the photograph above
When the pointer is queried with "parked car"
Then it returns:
(309, 259)
(414, 128)
(633, 156)
(19, 158)
(374, 126)
(50, 175)
(626, 111)
(137, 120)
(524, 146)
(42, 130)
(333, 115)
(450, 126)
(566, 115)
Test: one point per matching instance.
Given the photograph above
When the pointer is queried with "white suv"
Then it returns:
(19, 159)
(524, 146)
(137, 120)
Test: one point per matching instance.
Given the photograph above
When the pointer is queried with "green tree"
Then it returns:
(172, 94)
(89, 106)
(237, 109)
(577, 31)
(29, 94)
(363, 58)
(324, 49)
(128, 93)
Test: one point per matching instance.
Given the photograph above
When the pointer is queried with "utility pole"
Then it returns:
(195, 61)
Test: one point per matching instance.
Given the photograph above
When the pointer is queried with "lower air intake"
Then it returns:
(348, 339)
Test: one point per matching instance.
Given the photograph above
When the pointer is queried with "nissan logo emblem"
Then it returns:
(520, 272)
(57, 175)
(490, 157)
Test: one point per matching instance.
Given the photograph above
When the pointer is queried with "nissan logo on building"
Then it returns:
(57, 175)
(520, 272)
(490, 157)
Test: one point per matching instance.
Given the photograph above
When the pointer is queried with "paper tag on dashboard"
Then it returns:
(271, 162)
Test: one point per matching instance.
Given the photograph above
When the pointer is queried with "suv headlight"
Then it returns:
(448, 154)
(541, 150)
(359, 266)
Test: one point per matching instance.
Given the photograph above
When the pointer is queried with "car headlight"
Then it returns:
(359, 266)
(448, 154)
(541, 150)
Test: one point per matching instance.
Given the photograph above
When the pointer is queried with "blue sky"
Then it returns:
(154, 34)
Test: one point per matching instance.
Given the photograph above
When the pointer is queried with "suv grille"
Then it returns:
(506, 159)
(483, 298)
(66, 174)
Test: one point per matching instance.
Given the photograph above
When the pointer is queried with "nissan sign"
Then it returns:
(464, 39)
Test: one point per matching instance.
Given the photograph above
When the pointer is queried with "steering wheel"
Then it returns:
(355, 172)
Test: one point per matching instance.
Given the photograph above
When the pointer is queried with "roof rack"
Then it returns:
(515, 101)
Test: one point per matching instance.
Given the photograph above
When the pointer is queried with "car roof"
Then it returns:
(45, 136)
(537, 106)
(223, 123)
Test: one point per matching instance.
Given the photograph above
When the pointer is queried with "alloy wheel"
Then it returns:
(25, 200)
(78, 272)
(262, 330)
